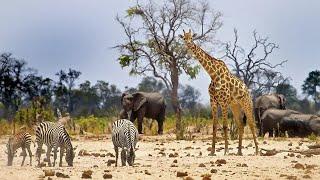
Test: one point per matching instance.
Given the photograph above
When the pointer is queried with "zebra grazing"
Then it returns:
(23, 140)
(54, 135)
(125, 136)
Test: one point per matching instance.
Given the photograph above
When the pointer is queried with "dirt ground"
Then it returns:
(161, 157)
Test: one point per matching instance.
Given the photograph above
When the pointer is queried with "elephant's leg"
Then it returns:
(160, 121)
(141, 114)
(224, 109)
(246, 105)
(24, 154)
(215, 123)
(236, 111)
(116, 149)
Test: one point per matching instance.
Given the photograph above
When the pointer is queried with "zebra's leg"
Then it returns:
(61, 155)
(55, 149)
(30, 155)
(123, 157)
(48, 156)
(116, 149)
(38, 152)
(24, 154)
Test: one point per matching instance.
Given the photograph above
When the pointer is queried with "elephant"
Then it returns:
(271, 118)
(264, 102)
(142, 104)
(300, 125)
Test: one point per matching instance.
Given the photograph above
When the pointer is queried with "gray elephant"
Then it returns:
(271, 118)
(141, 104)
(300, 125)
(264, 102)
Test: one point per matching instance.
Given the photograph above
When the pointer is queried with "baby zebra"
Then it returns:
(23, 140)
(125, 136)
(54, 135)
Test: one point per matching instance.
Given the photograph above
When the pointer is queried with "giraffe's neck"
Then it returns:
(209, 63)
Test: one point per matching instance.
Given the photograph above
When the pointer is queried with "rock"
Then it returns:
(202, 165)
(110, 154)
(308, 155)
(61, 175)
(311, 166)
(48, 172)
(298, 166)
(174, 165)
(298, 156)
(111, 161)
(300, 143)
(214, 171)
(106, 170)
(206, 176)
(171, 155)
(188, 178)
(95, 166)
(49, 178)
(265, 142)
(150, 155)
(221, 161)
(87, 174)
(187, 148)
(107, 176)
(42, 164)
(175, 161)
(181, 174)
(250, 145)
(147, 172)
(291, 154)
(290, 144)
(306, 176)
(244, 165)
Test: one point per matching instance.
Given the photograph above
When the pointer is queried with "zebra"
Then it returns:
(20, 140)
(54, 135)
(125, 136)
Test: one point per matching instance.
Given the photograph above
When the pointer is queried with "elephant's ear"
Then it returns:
(123, 95)
(138, 100)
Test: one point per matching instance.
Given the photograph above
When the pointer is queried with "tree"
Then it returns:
(189, 97)
(152, 44)
(64, 87)
(252, 66)
(290, 92)
(310, 86)
(150, 84)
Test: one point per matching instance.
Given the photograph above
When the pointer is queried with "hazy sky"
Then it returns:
(54, 35)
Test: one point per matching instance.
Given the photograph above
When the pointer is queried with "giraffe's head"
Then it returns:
(187, 36)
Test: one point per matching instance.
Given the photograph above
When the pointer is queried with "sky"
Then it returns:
(80, 34)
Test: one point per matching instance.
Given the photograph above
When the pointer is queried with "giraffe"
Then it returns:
(225, 90)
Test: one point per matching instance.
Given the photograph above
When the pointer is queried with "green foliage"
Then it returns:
(124, 60)
(311, 84)
(193, 71)
(312, 137)
(134, 11)
(93, 124)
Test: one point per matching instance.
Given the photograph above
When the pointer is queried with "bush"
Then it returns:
(91, 124)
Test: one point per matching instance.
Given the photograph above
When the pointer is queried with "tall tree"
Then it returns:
(152, 44)
(311, 85)
(150, 84)
(253, 66)
(64, 87)
(189, 97)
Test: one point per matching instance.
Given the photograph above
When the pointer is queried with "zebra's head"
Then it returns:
(131, 156)
(10, 151)
(70, 156)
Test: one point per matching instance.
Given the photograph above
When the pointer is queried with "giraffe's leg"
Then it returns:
(224, 109)
(214, 125)
(247, 108)
(237, 118)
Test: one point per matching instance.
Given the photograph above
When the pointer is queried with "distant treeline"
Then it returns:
(24, 94)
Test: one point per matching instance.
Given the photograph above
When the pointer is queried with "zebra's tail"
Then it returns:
(131, 148)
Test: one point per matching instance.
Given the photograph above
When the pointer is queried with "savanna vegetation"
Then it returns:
(152, 49)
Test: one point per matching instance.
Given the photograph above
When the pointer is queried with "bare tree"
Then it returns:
(253, 66)
(152, 44)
